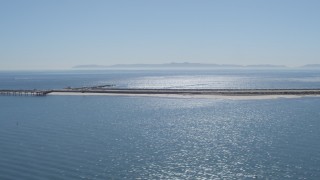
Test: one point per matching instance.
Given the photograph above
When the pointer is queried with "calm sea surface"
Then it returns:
(111, 137)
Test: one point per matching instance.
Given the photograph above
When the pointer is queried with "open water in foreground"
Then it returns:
(111, 137)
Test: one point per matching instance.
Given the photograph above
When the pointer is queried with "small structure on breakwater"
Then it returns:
(24, 92)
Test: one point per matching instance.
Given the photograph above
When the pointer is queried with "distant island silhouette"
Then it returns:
(186, 65)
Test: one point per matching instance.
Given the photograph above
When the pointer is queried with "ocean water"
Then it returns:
(218, 78)
(117, 137)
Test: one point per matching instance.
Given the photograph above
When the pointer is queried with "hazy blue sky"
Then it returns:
(43, 34)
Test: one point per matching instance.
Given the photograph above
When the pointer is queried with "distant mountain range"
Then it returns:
(316, 66)
(176, 65)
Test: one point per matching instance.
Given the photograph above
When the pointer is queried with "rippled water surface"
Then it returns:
(105, 137)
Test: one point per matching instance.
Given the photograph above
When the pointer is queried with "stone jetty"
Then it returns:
(112, 90)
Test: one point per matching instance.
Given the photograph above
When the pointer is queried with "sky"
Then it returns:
(59, 34)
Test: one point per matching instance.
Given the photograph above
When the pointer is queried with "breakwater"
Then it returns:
(226, 92)
(229, 92)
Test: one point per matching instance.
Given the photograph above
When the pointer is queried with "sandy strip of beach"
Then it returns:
(191, 96)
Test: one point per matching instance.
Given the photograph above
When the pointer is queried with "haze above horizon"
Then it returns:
(60, 34)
